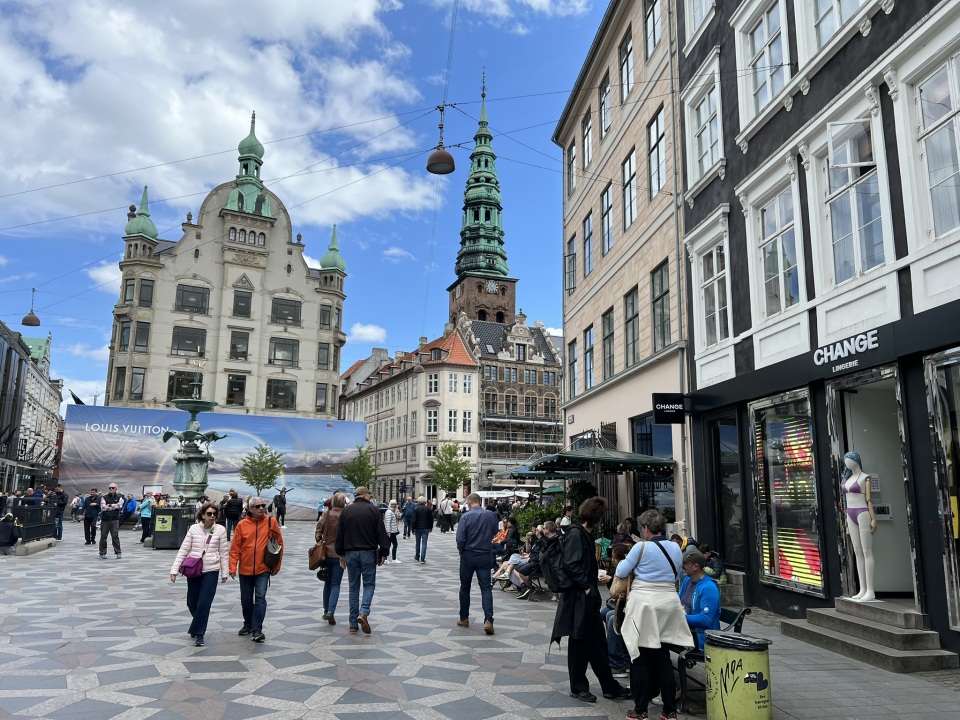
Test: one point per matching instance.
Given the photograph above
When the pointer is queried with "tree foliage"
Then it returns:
(361, 469)
(579, 491)
(261, 468)
(451, 471)
(533, 515)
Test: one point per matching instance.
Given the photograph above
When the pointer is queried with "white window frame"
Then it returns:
(811, 55)
(467, 384)
(628, 178)
(657, 146)
(453, 421)
(571, 167)
(453, 380)
(605, 107)
(704, 238)
(694, 28)
(606, 220)
(586, 134)
(468, 421)
(433, 421)
(625, 65)
(952, 66)
(707, 80)
(588, 244)
(433, 383)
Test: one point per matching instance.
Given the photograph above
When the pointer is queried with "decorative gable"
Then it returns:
(243, 283)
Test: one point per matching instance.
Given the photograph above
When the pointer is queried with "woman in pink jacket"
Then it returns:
(208, 540)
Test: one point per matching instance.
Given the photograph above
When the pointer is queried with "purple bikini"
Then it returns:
(854, 513)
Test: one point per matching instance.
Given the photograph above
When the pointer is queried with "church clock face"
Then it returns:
(492, 287)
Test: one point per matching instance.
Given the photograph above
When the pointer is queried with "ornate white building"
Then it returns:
(230, 311)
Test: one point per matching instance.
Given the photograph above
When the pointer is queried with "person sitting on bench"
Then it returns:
(522, 574)
(699, 596)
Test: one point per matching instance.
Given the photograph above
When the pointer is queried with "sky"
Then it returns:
(101, 98)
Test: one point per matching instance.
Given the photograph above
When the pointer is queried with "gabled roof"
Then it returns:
(492, 336)
(352, 369)
(163, 246)
(38, 347)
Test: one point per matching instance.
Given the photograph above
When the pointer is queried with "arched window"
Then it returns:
(289, 268)
(476, 215)
(486, 216)
(196, 253)
(481, 315)
(499, 317)
(262, 240)
(233, 233)
(243, 236)
(244, 169)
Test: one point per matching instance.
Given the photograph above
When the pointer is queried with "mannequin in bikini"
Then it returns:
(861, 522)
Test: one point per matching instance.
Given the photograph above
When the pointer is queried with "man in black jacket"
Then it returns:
(362, 545)
(59, 498)
(422, 527)
(578, 612)
(279, 505)
(232, 510)
(9, 534)
(110, 506)
(91, 511)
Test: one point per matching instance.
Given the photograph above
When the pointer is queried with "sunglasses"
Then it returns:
(210, 514)
(113, 488)
(261, 507)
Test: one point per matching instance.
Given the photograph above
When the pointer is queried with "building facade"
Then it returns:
(823, 235)
(230, 312)
(623, 315)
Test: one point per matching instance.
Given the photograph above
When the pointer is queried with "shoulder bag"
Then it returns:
(192, 567)
(274, 549)
(676, 575)
(317, 555)
(620, 587)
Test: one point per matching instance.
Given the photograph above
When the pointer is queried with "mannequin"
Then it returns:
(861, 522)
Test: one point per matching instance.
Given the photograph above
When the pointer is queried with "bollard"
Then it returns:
(738, 676)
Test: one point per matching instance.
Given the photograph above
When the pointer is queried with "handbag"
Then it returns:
(274, 550)
(323, 574)
(317, 555)
(620, 587)
(192, 567)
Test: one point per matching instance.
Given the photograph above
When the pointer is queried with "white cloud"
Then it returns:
(366, 334)
(396, 254)
(85, 390)
(503, 9)
(17, 278)
(97, 354)
(311, 261)
(106, 275)
(555, 332)
(3, 261)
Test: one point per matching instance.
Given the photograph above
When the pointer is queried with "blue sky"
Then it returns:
(102, 98)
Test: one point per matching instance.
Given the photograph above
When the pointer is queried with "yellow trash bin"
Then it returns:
(738, 676)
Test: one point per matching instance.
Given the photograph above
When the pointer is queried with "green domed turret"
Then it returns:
(141, 224)
(333, 260)
(250, 145)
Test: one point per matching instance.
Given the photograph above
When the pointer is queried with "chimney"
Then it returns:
(423, 341)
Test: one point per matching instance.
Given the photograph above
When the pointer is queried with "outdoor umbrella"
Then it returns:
(552, 490)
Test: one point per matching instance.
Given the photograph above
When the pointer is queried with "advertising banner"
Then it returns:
(124, 445)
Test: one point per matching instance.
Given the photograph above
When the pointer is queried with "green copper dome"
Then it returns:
(141, 224)
(333, 260)
(250, 145)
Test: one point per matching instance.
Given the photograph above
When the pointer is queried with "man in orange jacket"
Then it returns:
(246, 558)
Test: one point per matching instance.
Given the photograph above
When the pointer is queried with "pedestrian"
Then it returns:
(246, 560)
(699, 595)
(232, 510)
(326, 533)
(474, 542)
(205, 539)
(111, 505)
(408, 508)
(446, 513)
(60, 499)
(146, 517)
(422, 527)
(567, 519)
(90, 512)
(578, 611)
(130, 508)
(75, 506)
(653, 618)
(10, 532)
(362, 545)
(391, 521)
(279, 505)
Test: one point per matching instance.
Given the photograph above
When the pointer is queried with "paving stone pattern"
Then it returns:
(84, 638)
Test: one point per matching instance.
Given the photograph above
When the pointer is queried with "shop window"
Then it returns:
(654, 490)
(725, 452)
(785, 487)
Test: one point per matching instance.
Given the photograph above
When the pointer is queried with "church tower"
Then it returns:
(483, 289)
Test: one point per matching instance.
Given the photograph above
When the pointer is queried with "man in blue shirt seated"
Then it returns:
(699, 596)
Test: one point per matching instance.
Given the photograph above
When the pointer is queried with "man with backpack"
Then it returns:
(570, 568)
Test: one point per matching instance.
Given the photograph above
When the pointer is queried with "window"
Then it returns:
(453, 380)
(511, 404)
(550, 407)
(433, 383)
(323, 356)
(146, 293)
(520, 350)
(286, 312)
(414, 386)
(413, 424)
(657, 152)
(660, 306)
(236, 389)
(707, 134)
(588, 244)
(766, 58)
(631, 328)
(119, 382)
(490, 403)
(468, 421)
(628, 174)
(239, 344)
(586, 130)
(697, 11)
(529, 377)
(778, 250)
(588, 358)
(432, 422)
(404, 426)
(571, 168)
(284, 352)
(626, 66)
(242, 302)
(243, 235)
(570, 276)
(192, 299)
(606, 325)
(129, 290)
(281, 394)
(452, 418)
(123, 336)
(510, 375)
(572, 366)
(653, 24)
(431, 450)
(141, 338)
(853, 203)
(606, 219)
(137, 376)
(713, 289)
(181, 384)
(831, 15)
(466, 451)
(467, 384)
(321, 403)
(189, 342)
(335, 365)
(529, 405)
(550, 378)
(324, 317)
(703, 129)
(939, 115)
(232, 234)
(337, 318)
(490, 373)
(604, 106)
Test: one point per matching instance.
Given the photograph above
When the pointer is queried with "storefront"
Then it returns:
(768, 456)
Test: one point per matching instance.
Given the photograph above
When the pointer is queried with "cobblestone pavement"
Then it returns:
(84, 638)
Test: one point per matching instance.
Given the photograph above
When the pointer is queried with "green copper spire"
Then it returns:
(250, 145)
(333, 260)
(141, 224)
(481, 234)
(249, 195)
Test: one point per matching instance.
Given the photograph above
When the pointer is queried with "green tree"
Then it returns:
(360, 470)
(451, 471)
(261, 468)
(579, 491)
(533, 515)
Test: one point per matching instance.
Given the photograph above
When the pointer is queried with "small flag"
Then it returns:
(76, 400)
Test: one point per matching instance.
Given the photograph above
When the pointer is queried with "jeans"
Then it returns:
(652, 674)
(331, 588)
(475, 562)
(393, 544)
(282, 516)
(422, 535)
(616, 649)
(253, 599)
(90, 529)
(361, 565)
(8, 550)
(112, 527)
(231, 526)
(58, 526)
(200, 593)
(146, 527)
(407, 527)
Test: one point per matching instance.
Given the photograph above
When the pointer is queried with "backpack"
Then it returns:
(551, 565)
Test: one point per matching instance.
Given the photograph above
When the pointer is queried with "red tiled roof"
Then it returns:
(352, 368)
